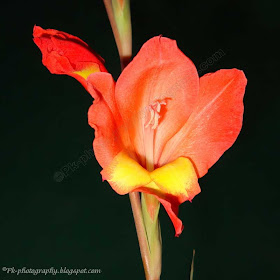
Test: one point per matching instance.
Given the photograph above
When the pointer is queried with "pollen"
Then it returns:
(153, 114)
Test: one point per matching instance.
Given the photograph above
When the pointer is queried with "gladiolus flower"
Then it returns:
(159, 127)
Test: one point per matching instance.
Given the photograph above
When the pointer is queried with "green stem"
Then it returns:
(141, 231)
(119, 15)
(192, 266)
(153, 233)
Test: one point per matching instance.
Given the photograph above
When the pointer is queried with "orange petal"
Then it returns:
(215, 122)
(102, 117)
(159, 72)
(101, 86)
(66, 54)
(172, 208)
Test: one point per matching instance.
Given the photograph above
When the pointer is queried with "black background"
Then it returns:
(78, 221)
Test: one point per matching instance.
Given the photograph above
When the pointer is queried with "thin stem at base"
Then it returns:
(141, 231)
(192, 266)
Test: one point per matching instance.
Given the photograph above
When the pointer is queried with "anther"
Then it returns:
(154, 114)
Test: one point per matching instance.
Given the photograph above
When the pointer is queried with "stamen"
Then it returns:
(154, 114)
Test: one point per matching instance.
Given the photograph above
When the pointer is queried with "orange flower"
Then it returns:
(159, 127)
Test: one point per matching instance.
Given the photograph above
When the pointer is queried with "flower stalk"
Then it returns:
(153, 233)
(119, 15)
(145, 210)
(141, 231)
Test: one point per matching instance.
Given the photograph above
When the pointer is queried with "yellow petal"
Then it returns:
(177, 178)
(125, 174)
(171, 184)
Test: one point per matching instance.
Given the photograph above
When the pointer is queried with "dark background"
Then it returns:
(75, 220)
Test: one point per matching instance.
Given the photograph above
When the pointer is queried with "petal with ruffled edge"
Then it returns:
(214, 124)
(103, 117)
(67, 54)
